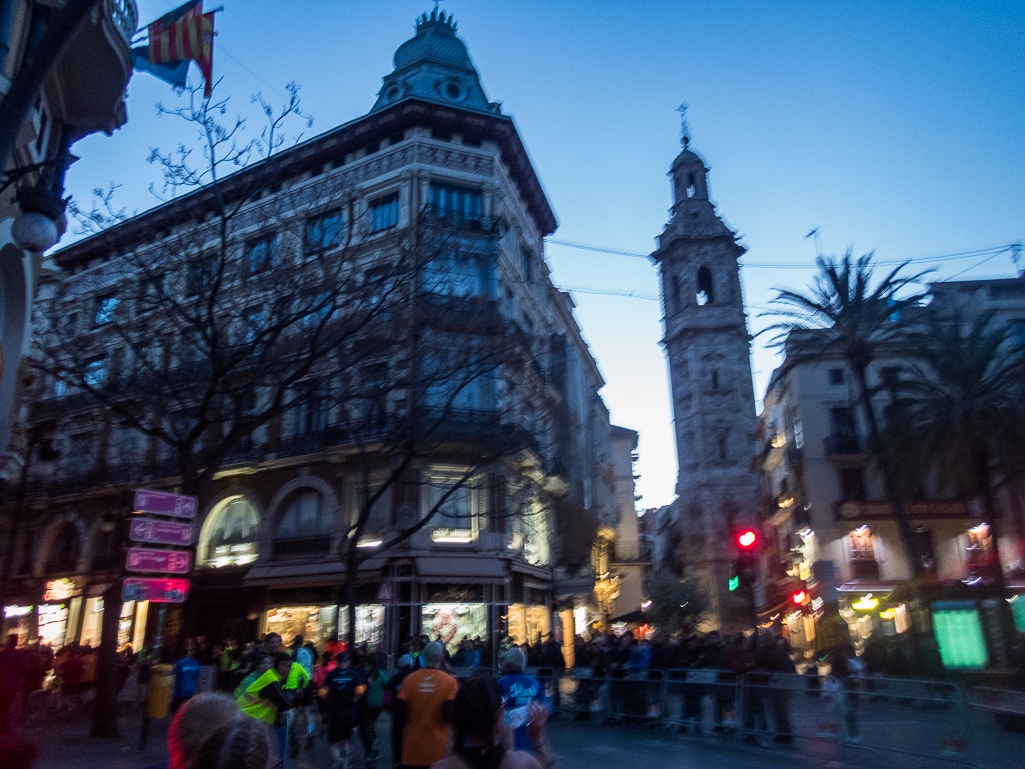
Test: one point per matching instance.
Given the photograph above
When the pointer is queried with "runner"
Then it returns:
(343, 687)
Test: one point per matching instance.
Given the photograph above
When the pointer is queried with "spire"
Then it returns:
(684, 128)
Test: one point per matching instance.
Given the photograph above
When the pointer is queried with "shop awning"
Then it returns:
(324, 573)
(490, 570)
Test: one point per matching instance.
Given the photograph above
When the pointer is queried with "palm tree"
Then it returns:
(843, 317)
(959, 414)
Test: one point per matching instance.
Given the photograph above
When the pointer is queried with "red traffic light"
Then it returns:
(747, 539)
(800, 597)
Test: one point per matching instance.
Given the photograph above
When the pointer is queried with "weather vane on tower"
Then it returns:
(684, 128)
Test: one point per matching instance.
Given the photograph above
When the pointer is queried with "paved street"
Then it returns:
(581, 745)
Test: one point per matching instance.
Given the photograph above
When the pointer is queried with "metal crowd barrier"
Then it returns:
(890, 718)
(634, 694)
(702, 699)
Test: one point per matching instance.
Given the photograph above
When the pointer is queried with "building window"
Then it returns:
(106, 306)
(723, 445)
(80, 450)
(70, 324)
(96, 371)
(230, 535)
(852, 484)
(979, 555)
(305, 516)
(60, 388)
(151, 289)
(202, 272)
(715, 379)
(384, 213)
(674, 292)
(64, 550)
(705, 293)
(862, 554)
(254, 324)
(378, 519)
(527, 263)
(457, 200)
(260, 254)
(458, 511)
(835, 377)
(844, 435)
(311, 415)
(324, 232)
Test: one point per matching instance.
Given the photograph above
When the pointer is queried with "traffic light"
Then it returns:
(746, 541)
(799, 597)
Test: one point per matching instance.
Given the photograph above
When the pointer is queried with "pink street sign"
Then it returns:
(156, 590)
(162, 503)
(161, 532)
(170, 561)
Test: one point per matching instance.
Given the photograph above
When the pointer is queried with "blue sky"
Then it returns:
(894, 127)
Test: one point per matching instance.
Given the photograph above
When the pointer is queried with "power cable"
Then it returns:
(994, 250)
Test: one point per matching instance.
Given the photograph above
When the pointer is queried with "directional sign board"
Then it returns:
(169, 561)
(156, 590)
(162, 503)
(160, 532)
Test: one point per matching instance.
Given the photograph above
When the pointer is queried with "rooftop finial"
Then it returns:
(684, 128)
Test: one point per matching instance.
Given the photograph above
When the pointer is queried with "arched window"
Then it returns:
(723, 447)
(305, 525)
(230, 534)
(705, 293)
(691, 186)
(64, 549)
(715, 379)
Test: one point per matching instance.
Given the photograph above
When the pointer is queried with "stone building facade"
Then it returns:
(708, 347)
(433, 155)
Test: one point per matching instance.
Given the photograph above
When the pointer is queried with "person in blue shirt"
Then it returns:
(186, 674)
(519, 691)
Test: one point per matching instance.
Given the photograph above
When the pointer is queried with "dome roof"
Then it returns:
(436, 40)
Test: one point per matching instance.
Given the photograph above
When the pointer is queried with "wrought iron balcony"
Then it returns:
(461, 222)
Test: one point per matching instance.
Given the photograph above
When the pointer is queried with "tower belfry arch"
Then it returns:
(708, 346)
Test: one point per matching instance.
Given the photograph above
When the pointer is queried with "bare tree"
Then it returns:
(257, 299)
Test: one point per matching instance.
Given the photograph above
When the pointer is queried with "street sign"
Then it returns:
(162, 503)
(384, 592)
(156, 590)
(160, 532)
(169, 561)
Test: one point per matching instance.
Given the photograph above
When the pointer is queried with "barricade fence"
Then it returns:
(883, 718)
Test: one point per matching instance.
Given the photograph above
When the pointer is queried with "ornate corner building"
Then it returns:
(433, 159)
(708, 346)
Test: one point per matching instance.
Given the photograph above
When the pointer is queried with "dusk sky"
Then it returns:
(894, 127)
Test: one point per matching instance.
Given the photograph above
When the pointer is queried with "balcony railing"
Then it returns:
(461, 222)
(126, 17)
(842, 444)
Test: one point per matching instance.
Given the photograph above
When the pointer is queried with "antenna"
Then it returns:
(684, 128)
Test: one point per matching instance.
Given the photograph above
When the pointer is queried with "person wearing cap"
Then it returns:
(423, 710)
(341, 691)
(521, 692)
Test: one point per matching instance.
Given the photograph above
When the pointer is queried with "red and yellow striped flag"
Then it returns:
(182, 35)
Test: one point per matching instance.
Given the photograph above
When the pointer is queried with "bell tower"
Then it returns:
(708, 346)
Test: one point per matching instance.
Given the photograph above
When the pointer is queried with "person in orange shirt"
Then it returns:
(423, 710)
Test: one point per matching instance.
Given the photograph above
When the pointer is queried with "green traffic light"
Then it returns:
(734, 583)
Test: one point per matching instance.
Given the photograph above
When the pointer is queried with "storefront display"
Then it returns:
(17, 620)
(526, 623)
(369, 624)
(92, 623)
(313, 623)
(53, 624)
(452, 622)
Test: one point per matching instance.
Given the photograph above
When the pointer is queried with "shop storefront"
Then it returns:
(313, 623)
(454, 622)
(526, 623)
(18, 620)
(370, 625)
